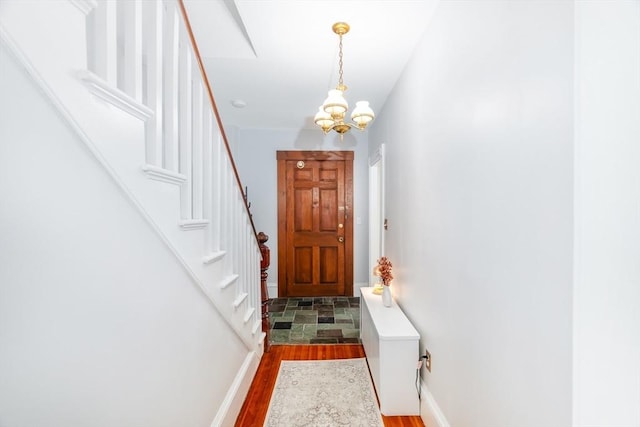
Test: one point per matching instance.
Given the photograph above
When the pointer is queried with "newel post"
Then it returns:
(264, 293)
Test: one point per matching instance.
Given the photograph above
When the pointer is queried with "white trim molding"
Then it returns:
(248, 314)
(213, 257)
(236, 394)
(193, 224)
(239, 299)
(430, 412)
(376, 155)
(272, 290)
(164, 175)
(257, 327)
(114, 96)
(228, 281)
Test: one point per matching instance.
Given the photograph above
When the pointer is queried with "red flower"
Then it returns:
(383, 269)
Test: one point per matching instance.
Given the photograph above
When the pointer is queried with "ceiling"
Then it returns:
(280, 57)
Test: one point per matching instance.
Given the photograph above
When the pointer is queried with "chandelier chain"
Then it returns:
(340, 80)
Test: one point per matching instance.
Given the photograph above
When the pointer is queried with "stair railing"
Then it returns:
(143, 58)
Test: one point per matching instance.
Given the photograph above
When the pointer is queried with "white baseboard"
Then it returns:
(230, 408)
(430, 412)
(272, 290)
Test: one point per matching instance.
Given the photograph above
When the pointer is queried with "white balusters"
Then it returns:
(216, 194)
(242, 261)
(104, 53)
(141, 52)
(185, 111)
(130, 69)
(115, 60)
(153, 35)
(197, 158)
(196, 134)
(170, 77)
(207, 178)
(225, 208)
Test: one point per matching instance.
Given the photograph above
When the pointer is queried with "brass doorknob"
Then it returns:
(340, 239)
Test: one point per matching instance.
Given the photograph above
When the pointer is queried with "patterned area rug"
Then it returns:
(323, 393)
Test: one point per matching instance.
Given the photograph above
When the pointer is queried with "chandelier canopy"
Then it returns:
(331, 114)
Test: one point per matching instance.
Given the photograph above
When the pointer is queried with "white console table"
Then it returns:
(391, 345)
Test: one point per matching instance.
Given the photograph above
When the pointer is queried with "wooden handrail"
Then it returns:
(205, 79)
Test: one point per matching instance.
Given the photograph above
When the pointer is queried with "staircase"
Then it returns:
(130, 82)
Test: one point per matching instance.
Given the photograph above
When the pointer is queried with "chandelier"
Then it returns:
(331, 114)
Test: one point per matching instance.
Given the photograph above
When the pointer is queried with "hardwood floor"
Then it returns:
(254, 409)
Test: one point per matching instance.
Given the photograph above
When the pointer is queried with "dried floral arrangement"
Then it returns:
(383, 270)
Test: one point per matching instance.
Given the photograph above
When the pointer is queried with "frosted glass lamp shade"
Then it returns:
(362, 114)
(323, 119)
(335, 104)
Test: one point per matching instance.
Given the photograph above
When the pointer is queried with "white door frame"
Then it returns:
(376, 209)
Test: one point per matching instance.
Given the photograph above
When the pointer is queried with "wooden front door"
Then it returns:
(315, 223)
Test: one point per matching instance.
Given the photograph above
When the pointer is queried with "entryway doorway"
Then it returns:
(315, 223)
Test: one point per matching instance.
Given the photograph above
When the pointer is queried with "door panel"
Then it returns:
(315, 250)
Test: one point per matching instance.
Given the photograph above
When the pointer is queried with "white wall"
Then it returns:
(479, 186)
(255, 155)
(99, 324)
(607, 202)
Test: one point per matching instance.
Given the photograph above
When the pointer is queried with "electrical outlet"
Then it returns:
(427, 359)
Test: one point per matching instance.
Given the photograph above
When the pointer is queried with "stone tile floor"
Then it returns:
(314, 320)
